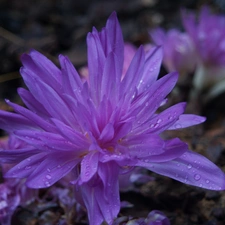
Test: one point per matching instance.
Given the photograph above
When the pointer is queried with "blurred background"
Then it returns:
(60, 27)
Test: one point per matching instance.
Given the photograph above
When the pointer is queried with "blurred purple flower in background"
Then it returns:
(178, 50)
(13, 192)
(100, 129)
(9, 200)
(207, 33)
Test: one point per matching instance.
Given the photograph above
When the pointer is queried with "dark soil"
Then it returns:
(59, 27)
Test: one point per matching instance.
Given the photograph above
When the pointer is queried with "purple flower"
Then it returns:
(207, 34)
(103, 128)
(9, 200)
(13, 192)
(178, 50)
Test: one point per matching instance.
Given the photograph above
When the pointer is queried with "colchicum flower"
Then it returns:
(208, 36)
(178, 50)
(101, 129)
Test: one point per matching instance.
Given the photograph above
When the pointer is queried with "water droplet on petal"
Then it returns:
(197, 177)
(48, 170)
(207, 181)
(49, 177)
(47, 184)
(178, 126)
(28, 159)
(146, 104)
(59, 166)
(156, 125)
(159, 120)
(189, 166)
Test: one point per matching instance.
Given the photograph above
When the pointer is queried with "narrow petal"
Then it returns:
(15, 156)
(31, 103)
(88, 193)
(50, 171)
(109, 203)
(151, 68)
(26, 167)
(133, 74)
(192, 168)
(89, 166)
(144, 145)
(164, 120)
(174, 148)
(41, 67)
(11, 121)
(39, 121)
(73, 135)
(187, 120)
(70, 78)
(107, 133)
(45, 140)
(110, 79)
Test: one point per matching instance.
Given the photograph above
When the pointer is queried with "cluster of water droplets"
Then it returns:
(202, 182)
(155, 125)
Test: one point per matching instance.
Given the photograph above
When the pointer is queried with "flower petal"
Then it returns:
(89, 166)
(187, 120)
(50, 171)
(192, 168)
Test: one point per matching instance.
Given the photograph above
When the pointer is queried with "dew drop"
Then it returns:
(47, 184)
(28, 159)
(146, 104)
(189, 166)
(159, 120)
(156, 125)
(48, 170)
(59, 166)
(197, 177)
(200, 185)
(207, 181)
(178, 126)
(49, 177)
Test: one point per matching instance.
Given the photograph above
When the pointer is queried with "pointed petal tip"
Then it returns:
(113, 15)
